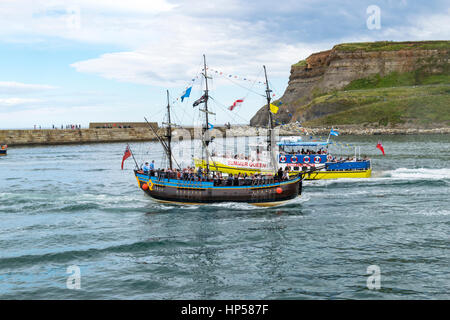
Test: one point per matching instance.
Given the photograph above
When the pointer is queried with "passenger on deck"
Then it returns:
(280, 174)
(230, 179)
(248, 179)
(146, 168)
(286, 173)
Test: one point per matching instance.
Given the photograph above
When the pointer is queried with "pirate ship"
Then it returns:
(174, 185)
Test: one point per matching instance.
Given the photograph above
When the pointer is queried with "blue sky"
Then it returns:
(75, 62)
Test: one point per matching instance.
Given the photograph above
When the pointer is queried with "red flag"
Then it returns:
(126, 154)
(235, 104)
(379, 146)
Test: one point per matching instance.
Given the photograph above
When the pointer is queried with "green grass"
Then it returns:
(358, 97)
(437, 79)
(396, 79)
(392, 46)
(301, 63)
(422, 105)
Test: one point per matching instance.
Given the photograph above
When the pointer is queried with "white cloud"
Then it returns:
(162, 43)
(101, 21)
(173, 52)
(121, 6)
(176, 67)
(8, 102)
(12, 87)
(170, 52)
(430, 27)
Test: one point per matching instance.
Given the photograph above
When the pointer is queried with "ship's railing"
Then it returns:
(350, 165)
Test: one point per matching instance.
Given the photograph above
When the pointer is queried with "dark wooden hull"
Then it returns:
(195, 192)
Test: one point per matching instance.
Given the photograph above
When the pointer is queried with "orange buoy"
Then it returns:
(144, 186)
(279, 190)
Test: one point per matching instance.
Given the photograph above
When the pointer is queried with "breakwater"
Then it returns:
(97, 135)
(80, 136)
(77, 136)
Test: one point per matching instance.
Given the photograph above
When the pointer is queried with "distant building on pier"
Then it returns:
(119, 125)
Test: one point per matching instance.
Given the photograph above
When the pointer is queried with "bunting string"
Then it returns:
(234, 76)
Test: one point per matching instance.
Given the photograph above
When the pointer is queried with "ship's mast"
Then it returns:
(269, 125)
(270, 122)
(205, 129)
(169, 133)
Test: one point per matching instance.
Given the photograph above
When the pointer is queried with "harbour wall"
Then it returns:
(73, 136)
(80, 136)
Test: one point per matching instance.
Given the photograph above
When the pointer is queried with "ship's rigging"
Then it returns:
(206, 126)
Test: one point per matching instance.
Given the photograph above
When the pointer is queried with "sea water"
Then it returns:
(75, 226)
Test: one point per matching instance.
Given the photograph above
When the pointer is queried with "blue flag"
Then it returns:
(186, 94)
(210, 126)
(334, 133)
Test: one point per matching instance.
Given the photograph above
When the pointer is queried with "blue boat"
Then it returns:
(302, 155)
(3, 149)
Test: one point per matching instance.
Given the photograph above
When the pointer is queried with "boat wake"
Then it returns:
(417, 174)
(229, 205)
(400, 174)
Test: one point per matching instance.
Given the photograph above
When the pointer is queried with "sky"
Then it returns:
(74, 62)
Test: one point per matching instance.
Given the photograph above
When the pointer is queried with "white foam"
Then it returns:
(380, 176)
(432, 213)
(233, 205)
(418, 174)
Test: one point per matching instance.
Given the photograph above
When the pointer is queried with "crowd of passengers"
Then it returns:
(192, 174)
(345, 159)
(304, 152)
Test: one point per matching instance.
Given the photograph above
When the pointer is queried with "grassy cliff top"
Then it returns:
(387, 46)
(301, 63)
(393, 46)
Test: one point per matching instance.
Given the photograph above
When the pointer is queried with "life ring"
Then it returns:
(306, 159)
(317, 159)
(294, 159)
(282, 159)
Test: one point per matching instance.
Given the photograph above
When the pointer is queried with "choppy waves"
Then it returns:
(83, 210)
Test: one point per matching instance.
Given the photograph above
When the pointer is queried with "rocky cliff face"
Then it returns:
(334, 69)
